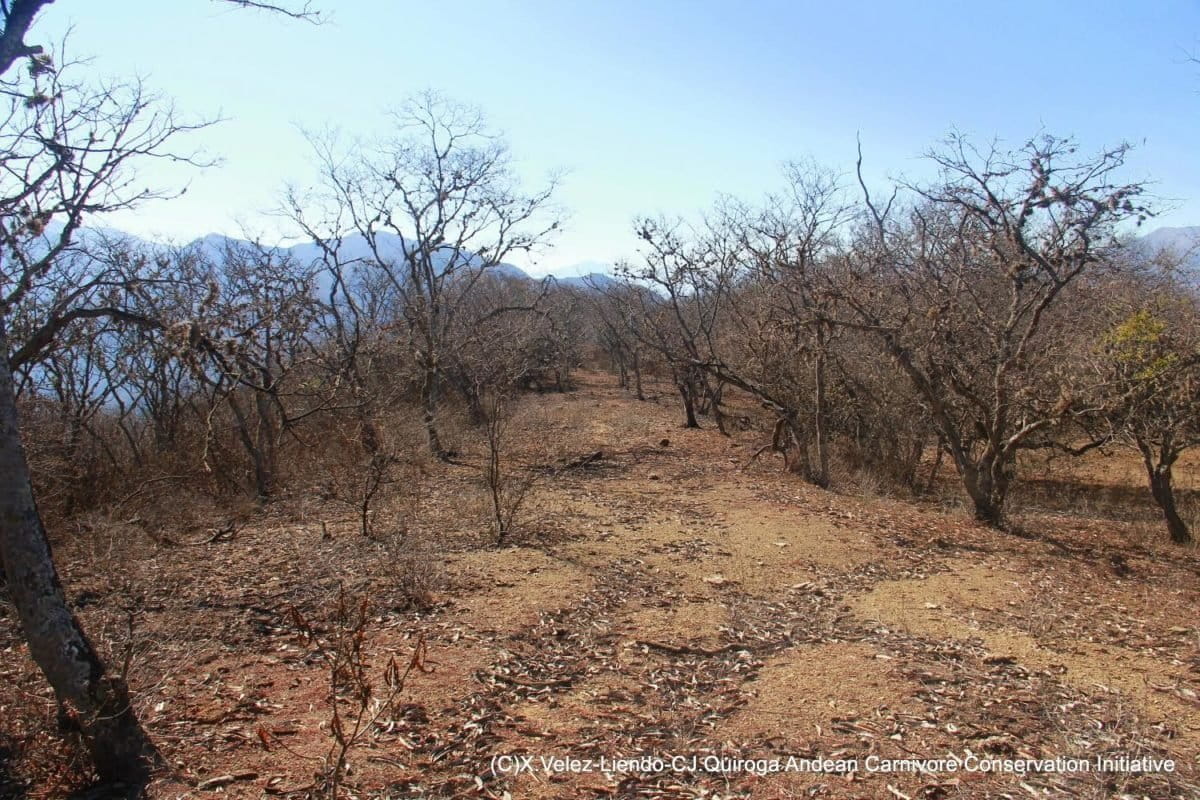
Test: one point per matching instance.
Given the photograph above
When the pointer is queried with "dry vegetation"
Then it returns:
(663, 598)
(832, 474)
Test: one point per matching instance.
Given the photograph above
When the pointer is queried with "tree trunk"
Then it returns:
(1164, 495)
(264, 477)
(368, 431)
(987, 486)
(689, 404)
(637, 376)
(714, 403)
(937, 464)
(268, 437)
(988, 511)
(89, 698)
(429, 404)
(820, 434)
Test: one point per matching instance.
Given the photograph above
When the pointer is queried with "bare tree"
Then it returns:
(673, 304)
(64, 157)
(745, 308)
(787, 325)
(65, 152)
(259, 305)
(959, 288)
(437, 207)
(616, 323)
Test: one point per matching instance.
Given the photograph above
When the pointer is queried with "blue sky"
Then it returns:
(652, 106)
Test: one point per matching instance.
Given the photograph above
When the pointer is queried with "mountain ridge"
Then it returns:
(1180, 244)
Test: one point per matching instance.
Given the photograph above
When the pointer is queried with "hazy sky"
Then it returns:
(653, 106)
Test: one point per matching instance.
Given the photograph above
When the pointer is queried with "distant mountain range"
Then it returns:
(355, 248)
(1181, 244)
(592, 280)
(391, 246)
(585, 274)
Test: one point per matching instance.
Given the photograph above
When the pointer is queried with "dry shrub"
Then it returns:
(380, 489)
(519, 444)
(166, 513)
(888, 469)
(870, 483)
(374, 468)
(951, 498)
(383, 490)
(34, 754)
(356, 703)
(413, 566)
(507, 483)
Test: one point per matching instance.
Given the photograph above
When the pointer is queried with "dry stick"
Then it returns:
(683, 649)
(226, 532)
(145, 485)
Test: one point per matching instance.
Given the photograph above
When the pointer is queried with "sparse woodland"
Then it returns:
(948, 344)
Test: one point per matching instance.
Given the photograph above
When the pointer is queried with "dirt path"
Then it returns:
(670, 602)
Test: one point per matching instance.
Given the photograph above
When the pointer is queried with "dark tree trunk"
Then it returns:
(268, 437)
(622, 372)
(937, 464)
(988, 511)
(89, 698)
(637, 376)
(986, 482)
(368, 431)
(689, 404)
(820, 435)
(264, 474)
(429, 404)
(1164, 495)
(470, 395)
(912, 464)
(714, 403)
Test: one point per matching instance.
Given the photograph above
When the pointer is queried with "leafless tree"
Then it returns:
(959, 287)
(66, 151)
(258, 311)
(64, 157)
(744, 306)
(17, 16)
(437, 208)
(617, 321)
(673, 304)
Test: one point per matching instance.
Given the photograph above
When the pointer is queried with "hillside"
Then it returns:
(666, 597)
(1179, 246)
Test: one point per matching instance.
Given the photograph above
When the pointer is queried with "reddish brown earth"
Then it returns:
(663, 600)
